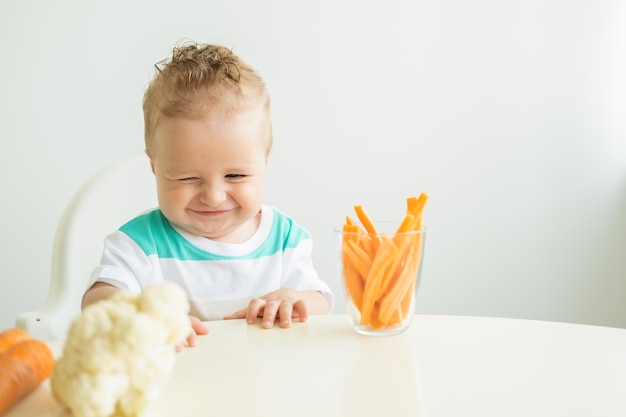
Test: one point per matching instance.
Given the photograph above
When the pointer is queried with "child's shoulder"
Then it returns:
(149, 218)
(284, 224)
(276, 217)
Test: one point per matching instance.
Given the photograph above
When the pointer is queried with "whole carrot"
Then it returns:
(10, 337)
(23, 367)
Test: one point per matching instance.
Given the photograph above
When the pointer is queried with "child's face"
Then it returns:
(210, 172)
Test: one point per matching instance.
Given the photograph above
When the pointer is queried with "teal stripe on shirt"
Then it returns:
(155, 236)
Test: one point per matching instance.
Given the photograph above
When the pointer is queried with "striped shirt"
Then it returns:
(219, 278)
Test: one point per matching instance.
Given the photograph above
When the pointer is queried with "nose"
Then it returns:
(212, 193)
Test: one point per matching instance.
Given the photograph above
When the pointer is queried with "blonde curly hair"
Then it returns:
(198, 78)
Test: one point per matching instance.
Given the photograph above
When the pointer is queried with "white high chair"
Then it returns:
(102, 205)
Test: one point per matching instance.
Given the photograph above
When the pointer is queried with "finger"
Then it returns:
(300, 309)
(269, 313)
(284, 313)
(241, 314)
(197, 326)
(192, 339)
(255, 309)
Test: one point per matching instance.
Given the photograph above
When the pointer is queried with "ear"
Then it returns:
(151, 162)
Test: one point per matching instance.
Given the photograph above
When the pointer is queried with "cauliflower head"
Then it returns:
(120, 351)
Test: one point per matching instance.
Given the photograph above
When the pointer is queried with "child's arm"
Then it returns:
(98, 291)
(101, 290)
(283, 304)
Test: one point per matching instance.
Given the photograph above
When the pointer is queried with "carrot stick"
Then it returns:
(354, 284)
(367, 223)
(399, 312)
(354, 271)
(383, 258)
(350, 222)
(23, 367)
(402, 240)
(365, 220)
(405, 281)
(405, 304)
(358, 258)
(397, 266)
(408, 224)
(416, 205)
(375, 321)
(363, 239)
(395, 319)
(12, 336)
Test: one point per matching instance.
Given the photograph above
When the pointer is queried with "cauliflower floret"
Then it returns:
(119, 352)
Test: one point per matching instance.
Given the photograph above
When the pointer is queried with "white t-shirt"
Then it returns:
(219, 278)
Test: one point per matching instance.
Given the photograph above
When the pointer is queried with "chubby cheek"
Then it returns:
(172, 199)
(250, 196)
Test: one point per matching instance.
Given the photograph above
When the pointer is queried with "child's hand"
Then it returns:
(197, 327)
(283, 305)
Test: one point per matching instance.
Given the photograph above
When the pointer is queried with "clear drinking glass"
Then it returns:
(380, 274)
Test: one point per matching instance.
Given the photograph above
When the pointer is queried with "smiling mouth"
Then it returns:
(209, 213)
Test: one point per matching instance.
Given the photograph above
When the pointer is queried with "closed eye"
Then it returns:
(235, 176)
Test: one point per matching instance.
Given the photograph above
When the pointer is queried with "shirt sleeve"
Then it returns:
(123, 264)
(300, 274)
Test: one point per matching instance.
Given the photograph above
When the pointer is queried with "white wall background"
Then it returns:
(510, 114)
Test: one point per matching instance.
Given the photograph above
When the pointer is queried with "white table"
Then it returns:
(443, 366)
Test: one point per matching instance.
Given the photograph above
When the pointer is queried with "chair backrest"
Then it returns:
(102, 205)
